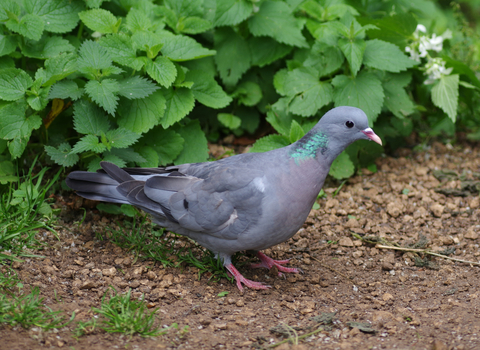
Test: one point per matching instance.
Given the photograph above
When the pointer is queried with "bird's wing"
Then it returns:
(223, 202)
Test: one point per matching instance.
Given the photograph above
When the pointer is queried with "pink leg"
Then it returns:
(240, 279)
(268, 263)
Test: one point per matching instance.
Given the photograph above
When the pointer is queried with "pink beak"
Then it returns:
(372, 136)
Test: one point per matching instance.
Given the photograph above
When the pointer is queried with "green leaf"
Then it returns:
(162, 70)
(229, 120)
(167, 145)
(385, 56)
(206, 90)
(110, 208)
(279, 81)
(89, 143)
(231, 12)
(121, 138)
(248, 93)
(136, 87)
(30, 26)
(150, 156)
(342, 167)
(183, 48)
(62, 155)
(93, 57)
(279, 116)
(60, 16)
(269, 143)
(150, 42)
(296, 132)
(8, 44)
(65, 89)
(47, 47)
(112, 158)
(364, 91)
(121, 50)
(186, 8)
(233, 55)
(180, 102)
(193, 25)
(14, 83)
(324, 58)
(396, 98)
(308, 92)
(6, 62)
(265, 50)
(99, 20)
(104, 93)
(137, 20)
(353, 50)
(38, 100)
(275, 19)
(126, 154)
(59, 67)
(396, 29)
(89, 118)
(445, 95)
(195, 148)
(140, 115)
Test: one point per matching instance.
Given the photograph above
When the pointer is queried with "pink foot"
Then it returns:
(240, 279)
(268, 263)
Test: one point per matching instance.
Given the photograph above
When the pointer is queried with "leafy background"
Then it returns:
(149, 83)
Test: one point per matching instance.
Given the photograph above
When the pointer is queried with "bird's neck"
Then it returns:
(308, 146)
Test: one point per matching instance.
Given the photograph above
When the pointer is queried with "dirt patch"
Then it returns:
(362, 296)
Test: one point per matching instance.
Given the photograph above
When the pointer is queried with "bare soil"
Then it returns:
(410, 300)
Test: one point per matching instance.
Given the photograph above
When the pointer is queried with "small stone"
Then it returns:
(79, 262)
(387, 297)
(138, 270)
(324, 284)
(394, 209)
(439, 345)
(134, 284)
(241, 322)
(151, 275)
(471, 234)
(109, 272)
(306, 311)
(88, 285)
(386, 266)
(240, 303)
(474, 202)
(221, 326)
(127, 262)
(345, 242)
(437, 209)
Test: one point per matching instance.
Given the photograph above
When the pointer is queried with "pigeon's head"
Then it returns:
(345, 125)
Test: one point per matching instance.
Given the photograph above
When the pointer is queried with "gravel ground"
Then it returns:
(356, 292)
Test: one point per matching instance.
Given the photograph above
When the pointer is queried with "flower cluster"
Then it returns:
(420, 47)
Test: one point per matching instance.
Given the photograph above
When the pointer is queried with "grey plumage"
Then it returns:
(245, 202)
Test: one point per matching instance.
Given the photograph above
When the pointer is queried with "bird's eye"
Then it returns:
(349, 124)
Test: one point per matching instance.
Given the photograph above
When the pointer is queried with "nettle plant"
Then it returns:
(148, 82)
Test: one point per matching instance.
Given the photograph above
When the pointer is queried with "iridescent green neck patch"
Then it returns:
(308, 147)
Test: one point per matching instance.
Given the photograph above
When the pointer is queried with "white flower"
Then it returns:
(435, 68)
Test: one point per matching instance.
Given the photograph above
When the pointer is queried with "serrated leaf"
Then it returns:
(186, 8)
(279, 117)
(308, 93)
(89, 118)
(46, 47)
(136, 87)
(279, 81)
(8, 44)
(396, 98)
(275, 19)
(59, 67)
(167, 144)
(364, 91)
(385, 56)
(162, 70)
(121, 138)
(150, 156)
(112, 158)
(14, 83)
(229, 120)
(62, 155)
(445, 95)
(183, 48)
(180, 102)
(296, 132)
(206, 90)
(104, 93)
(93, 57)
(195, 148)
(150, 42)
(353, 50)
(89, 143)
(193, 25)
(31, 26)
(269, 143)
(231, 12)
(99, 20)
(324, 58)
(121, 50)
(342, 167)
(141, 115)
(265, 50)
(127, 154)
(233, 55)
(65, 89)
(60, 16)
(137, 20)
(248, 93)
(39, 100)
(396, 29)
